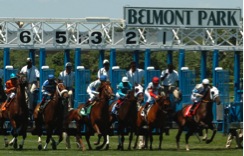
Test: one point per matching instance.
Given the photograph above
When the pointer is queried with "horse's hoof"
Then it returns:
(98, 148)
(20, 147)
(119, 147)
(208, 141)
(39, 147)
(107, 147)
(15, 145)
(54, 147)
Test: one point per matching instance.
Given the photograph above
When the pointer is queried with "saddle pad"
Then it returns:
(86, 111)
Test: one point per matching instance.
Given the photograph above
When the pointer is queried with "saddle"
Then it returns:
(42, 107)
(188, 113)
(85, 111)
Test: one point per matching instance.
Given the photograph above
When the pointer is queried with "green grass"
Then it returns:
(216, 148)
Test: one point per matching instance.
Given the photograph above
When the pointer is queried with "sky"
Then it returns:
(98, 8)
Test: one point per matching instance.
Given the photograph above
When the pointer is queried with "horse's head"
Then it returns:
(62, 92)
(214, 95)
(163, 102)
(22, 80)
(105, 89)
(139, 93)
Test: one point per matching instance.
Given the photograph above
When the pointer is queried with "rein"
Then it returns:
(61, 92)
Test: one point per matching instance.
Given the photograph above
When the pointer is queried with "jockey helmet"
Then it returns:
(155, 80)
(205, 81)
(105, 62)
(103, 78)
(125, 79)
(68, 64)
(51, 77)
(13, 76)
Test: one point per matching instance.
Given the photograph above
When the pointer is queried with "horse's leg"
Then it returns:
(213, 128)
(39, 143)
(14, 134)
(178, 137)
(107, 143)
(151, 138)
(98, 140)
(188, 134)
(104, 142)
(67, 140)
(6, 143)
(49, 135)
(205, 137)
(160, 138)
(137, 136)
(54, 144)
(130, 139)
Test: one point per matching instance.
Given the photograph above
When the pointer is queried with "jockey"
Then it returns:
(198, 92)
(93, 87)
(170, 81)
(10, 90)
(123, 89)
(105, 70)
(68, 78)
(152, 91)
(48, 89)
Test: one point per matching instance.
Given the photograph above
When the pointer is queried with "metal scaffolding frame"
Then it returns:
(78, 33)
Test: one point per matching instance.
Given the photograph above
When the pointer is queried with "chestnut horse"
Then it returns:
(52, 117)
(155, 118)
(17, 113)
(201, 120)
(97, 121)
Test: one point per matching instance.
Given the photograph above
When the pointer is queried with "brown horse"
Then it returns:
(201, 120)
(97, 121)
(52, 117)
(126, 118)
(17, 113)
(155, 118)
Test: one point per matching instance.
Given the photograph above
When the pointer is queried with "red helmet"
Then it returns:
(155, 80)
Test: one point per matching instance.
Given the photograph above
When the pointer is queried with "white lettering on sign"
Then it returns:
(182, 17)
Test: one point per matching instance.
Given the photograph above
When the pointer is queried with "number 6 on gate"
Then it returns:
(25, 37)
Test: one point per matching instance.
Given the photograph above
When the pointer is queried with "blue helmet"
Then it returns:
(13, 76)
(51, 77)
(103, 78)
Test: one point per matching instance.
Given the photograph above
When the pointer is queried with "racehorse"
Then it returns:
(127, 115)
(201, 120)
(52, 117)
(97, 120)
(17, 113)
(155, 118)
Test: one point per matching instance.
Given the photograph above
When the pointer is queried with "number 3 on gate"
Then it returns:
(25, 37)
(96, 37)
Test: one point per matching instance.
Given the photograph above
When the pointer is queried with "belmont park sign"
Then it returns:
(182, 17)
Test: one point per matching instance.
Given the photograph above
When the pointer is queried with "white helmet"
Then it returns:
(125, 79)
(205, 81)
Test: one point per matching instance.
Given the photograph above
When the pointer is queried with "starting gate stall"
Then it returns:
(221, 81)
(187, 83)
(116, 77)
(82, 80)
(44, 72)
(8, 71)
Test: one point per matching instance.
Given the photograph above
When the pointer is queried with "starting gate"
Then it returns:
(150, 73)
(8, 71)
(187, 83)
(82, 80)
(116, 77)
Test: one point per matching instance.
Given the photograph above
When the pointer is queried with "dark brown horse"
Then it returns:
(201, 120)
(98, 120)
(17, 113)
(52, 117)
(155, 118)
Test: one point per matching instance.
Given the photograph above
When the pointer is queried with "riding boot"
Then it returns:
(145, 108)
(42, 105)
(192, 108)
